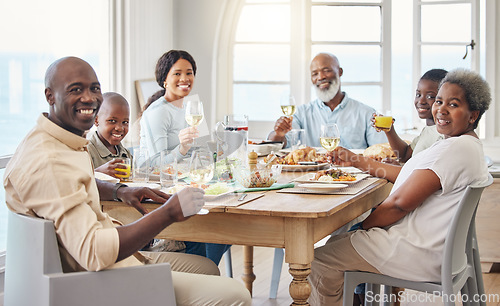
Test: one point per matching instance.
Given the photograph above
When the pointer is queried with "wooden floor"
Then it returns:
(488, 230)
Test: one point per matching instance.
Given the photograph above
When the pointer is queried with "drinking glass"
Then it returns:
(383, 120)
(201, 166)
(194, 112)
(125, 172)
(297, 138)
(168, 169)
(287, 103)
(330, 137)
(141, 165)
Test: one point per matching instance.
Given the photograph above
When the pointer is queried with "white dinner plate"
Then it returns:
(309, 178)
(301, 167)
(265, 149)
(107, 178)
(149, 185)
(494, 169)
(322, 187)
(207, 197)
(489, 161)
(351, 170)
(203, 211)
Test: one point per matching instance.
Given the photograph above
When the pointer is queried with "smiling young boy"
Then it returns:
(112, 122)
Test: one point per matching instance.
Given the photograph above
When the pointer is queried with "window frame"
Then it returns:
(300, 55)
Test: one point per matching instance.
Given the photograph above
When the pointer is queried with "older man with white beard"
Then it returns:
(331, 106)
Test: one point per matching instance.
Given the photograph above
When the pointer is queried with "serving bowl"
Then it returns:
(259, 177)
(265, 148)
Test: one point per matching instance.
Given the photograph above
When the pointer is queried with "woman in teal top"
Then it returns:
(163, 125)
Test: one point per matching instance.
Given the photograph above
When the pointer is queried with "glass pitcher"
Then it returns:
(232, 134)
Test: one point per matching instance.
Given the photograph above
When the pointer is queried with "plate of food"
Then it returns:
(332, 176)
(212, 191)
(322, 187)
(303, 159)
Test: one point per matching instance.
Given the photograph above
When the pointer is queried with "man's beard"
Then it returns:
(326, 95)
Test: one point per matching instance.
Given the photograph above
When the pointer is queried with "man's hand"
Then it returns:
(133, 196)
(185, 203)
(109, 167)
(283, 125)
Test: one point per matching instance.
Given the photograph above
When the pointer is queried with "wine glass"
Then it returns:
(330, 137)
(201, 166)
(287, 103)
(194, 112)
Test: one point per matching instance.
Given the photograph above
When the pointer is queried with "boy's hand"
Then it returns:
(109, 167)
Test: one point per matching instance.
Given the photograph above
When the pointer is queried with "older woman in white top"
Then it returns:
(404, 236)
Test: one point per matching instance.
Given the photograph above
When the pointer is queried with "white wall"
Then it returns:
(194, 27)
(144, 31)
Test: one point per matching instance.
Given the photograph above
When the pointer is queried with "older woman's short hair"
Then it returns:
(477, 90)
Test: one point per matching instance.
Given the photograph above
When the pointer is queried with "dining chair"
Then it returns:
(34, 274)
(459, 269)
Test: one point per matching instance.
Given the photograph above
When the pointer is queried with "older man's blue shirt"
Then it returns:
(351, 116)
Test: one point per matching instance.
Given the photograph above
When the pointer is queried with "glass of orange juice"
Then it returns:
(125, 169)
(383, 121)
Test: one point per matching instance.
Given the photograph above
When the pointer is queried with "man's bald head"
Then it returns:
(53, 69)
(326, 56)
(73, 93)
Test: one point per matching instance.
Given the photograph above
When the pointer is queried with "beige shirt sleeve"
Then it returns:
(49, 179)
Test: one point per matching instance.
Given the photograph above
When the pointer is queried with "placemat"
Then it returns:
(231, 199)
(352, 189)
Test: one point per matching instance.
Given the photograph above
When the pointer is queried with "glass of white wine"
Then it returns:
(330, 137)
(287, 103)
(194, 112)
(201, 166)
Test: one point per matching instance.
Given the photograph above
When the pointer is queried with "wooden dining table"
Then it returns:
(291, 221)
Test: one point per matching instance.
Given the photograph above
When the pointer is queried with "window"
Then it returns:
(44, 31)
(261, 59)
(384, 46)
(271, 57)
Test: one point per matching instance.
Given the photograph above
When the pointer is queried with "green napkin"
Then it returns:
(275, 186)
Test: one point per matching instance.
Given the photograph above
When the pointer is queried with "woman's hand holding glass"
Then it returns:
(382, 121)
(194, 116)
(343, 157)
(186, 139)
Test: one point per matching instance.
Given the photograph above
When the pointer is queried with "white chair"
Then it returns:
(459, 249)
(34, 274)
